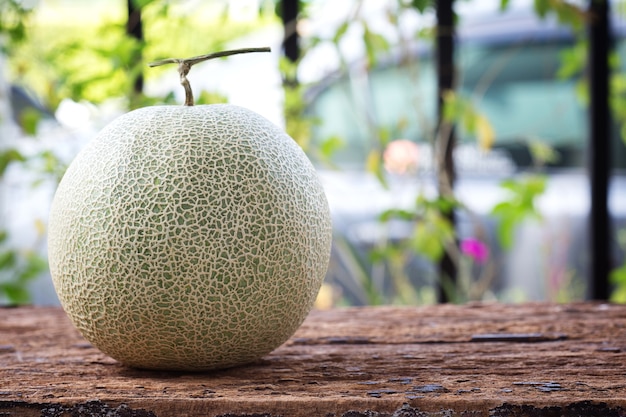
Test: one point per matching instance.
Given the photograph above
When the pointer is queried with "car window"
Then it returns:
(516, 85)
(520, 92)
(399, 100)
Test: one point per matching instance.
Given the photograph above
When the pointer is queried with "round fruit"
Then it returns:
(189, 238)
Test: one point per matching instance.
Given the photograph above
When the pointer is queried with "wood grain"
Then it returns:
(445, 360)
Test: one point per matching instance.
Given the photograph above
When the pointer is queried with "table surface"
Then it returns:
(445, 360)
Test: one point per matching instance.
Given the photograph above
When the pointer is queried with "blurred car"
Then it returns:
(509, 64)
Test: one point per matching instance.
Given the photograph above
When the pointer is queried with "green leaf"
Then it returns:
(485, 133)
(426, 243)
(207, 97)
(536, 185)
(573, 60)
(506, 230)
(542, 153)
(13, 17)
(458, 109)
(142, 3)
(395, 213)
(29, 120)
(440, 204)
(374, 165)
(519, 206)
(35, 265)
(7, 259)
(451, 106)
(375, 43)
(618, 278)
(385, 254)
(420, 5)
(15, 293)
(7, 156)
(542, 7)
(332, 144)
(566, 12)
(341, 31)
(618, 275)
(570, 14)
(431, 235)
(287, 68)
(384, 136)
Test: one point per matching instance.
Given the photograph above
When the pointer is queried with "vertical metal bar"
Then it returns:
(134, 29)
(289, 17)
(599, 148)
(445, 135)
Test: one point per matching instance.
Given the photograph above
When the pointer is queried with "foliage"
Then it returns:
(618, 278)
(573, 63)
(82, 61)
(433, 234)
(618, 275)
(462, 111)
(519, 207)
(433, 230)
(298, 127)
(17, 269)
(85, 62)
(13, 22)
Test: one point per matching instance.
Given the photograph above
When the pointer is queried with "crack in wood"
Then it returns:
(518, 337)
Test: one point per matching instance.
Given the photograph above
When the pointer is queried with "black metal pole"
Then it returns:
(134, 29)
(599, 148)
(445, 137)
(289, 17)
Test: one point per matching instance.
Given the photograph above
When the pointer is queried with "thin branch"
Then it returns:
(196, 59)
(185, 64)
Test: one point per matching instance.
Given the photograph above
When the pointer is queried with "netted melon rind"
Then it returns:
(189, 238)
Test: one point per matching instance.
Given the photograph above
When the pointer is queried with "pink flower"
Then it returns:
(475, 249)
(401, 157)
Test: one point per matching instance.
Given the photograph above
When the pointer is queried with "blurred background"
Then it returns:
(477, 189)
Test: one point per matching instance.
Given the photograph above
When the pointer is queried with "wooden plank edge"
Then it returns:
(286, 408)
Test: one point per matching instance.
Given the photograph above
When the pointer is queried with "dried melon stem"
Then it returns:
(185, 64)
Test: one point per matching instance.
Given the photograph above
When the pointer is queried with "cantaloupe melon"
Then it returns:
(189, 238)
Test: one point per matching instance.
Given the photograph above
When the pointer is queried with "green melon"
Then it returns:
(189, 238)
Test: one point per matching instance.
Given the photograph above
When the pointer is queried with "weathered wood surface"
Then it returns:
(474, 360)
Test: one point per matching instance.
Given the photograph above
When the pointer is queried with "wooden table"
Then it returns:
(474, 360)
